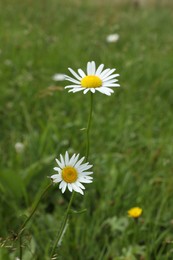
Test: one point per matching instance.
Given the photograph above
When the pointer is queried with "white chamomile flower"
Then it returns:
(112, 37)
(72, 173)
(98, 79)
(19, 147)
(58, 77)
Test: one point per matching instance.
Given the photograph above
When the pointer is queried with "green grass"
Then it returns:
(131, 136)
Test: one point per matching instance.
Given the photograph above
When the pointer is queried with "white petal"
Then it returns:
(85, 164)
(93, 68)
(85, 180)
(84, 167)
(57, 181)
(86, 90)
(80, 175)
(111, 77)
(66, 158)
(92, 90)
(104, 73)
(81, 73)
(108, 73)
(64, 187)
(62, 184)
(75, 90)
(62, 160)
(89, 69)
(59, 163)
(109, 81)
(107, 88)
(99, 70)
(77, 189)
(79, 162)
(73, 160)
(80, 185)
(111, 85)
(105, 91)
(56, 177)
(73, 86)
(72, 80)
(70, 187)
(57, 169)
(74, 74)
(87, 173)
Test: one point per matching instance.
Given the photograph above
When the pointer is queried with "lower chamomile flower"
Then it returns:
(98, 79)
(72, 173)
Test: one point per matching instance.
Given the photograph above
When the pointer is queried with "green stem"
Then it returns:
(28, 219)
(88, 128)
(20, 247)
(63, 226)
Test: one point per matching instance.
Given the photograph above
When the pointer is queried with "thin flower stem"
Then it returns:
(20, 247)
(64, 222)
(22, 228)
(63, 226)
(88, 128)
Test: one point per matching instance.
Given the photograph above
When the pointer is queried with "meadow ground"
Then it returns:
(131, 135)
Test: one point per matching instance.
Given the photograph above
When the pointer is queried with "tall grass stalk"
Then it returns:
(22, 228)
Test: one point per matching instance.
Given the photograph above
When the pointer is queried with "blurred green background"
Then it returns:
(131, 136)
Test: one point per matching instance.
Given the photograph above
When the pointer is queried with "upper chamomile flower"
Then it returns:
(95, 79)
(72, 173)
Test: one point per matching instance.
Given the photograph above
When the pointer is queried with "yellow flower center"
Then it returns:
(69, 174)
(91, 82)
(135, 212)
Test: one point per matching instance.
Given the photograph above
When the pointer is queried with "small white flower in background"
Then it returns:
(58, 77)
(72, 173)
(19, 147)
(112, 37)
(94, 80)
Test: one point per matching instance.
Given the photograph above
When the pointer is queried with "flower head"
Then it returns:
(19, 147)
(135, 212)
(72, 173)
(95, 79)
(58, 77)
(112, 37)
